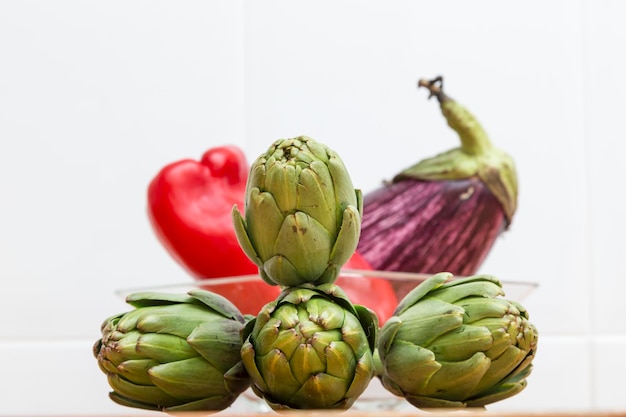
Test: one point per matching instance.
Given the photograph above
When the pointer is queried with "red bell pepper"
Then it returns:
(189, 208)
(374, 293)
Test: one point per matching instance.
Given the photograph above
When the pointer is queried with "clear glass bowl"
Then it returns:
(249, 293)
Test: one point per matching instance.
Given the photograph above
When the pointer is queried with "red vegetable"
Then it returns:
(375, 293)
(189, 207)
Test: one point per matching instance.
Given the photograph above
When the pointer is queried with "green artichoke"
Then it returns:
(453, 343)
(302, 213)
(174, 352)
(310, 349)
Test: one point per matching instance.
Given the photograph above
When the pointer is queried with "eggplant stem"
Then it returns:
(435, 87)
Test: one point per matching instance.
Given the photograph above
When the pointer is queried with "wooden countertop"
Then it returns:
(349, 413)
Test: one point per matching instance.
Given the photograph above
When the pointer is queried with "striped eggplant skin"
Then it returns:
(430, 226)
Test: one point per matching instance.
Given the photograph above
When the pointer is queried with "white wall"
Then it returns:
(96, 96)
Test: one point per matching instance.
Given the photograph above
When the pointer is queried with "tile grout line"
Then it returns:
(592, 337)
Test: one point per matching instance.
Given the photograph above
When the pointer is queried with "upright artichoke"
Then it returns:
(310, 349)
(455, 344)
(302, 213)
(174, 352)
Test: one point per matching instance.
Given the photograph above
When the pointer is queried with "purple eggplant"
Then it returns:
(445, 212)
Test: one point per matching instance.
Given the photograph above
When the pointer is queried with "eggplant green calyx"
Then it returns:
(476, 157)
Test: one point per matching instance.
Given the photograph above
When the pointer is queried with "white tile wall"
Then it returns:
(96, 97)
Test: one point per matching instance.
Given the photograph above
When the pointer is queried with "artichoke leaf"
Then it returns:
(286, 315)
(237, 379)
(348, 236)
(337, 295)
(461, 343)
(154, 298)
(522, 370)
(128, 402)
(498, 393)
(245, 243)
(322, 340)
(423, 331)
(217, 302)
(363, 374)
(278, 375)
(305, 243)
(315, 196)
(419, 292)
(214, 403)
(148, 394)
(166, 319)
(136, 370)
(249, 326)
(501, 342)
(500, 368)
(188, 379)
(123, 349)
(280, 266)
(128, 322)
(478, 308)
(474, 286)
(256, 176)
(340, 360)
(320, 391)
(354, 335)
(345, 194)
(306, 362)
(326, 314)
(281, 181)
(369, 320)
(387, 335)
(457, 380)
(217, 343)
(266, 337)
(297, 295)
(164, 347)
(248, 358)
(410, 366)
(317, 149)
(107, 366)
(287, 341)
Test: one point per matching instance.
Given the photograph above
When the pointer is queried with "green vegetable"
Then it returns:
(174, 352)
(310, 349)
(302, 213)
(455, 344)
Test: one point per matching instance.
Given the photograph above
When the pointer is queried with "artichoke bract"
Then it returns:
(174, 352)
(302, 213)
(310, 349)
(455, 343)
